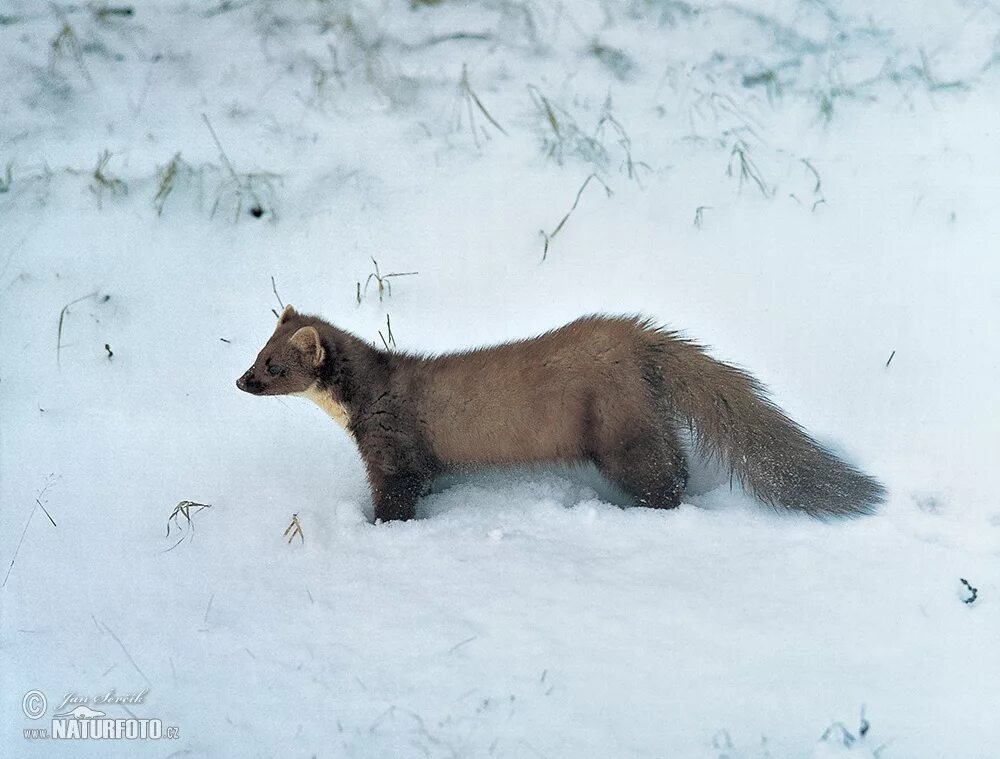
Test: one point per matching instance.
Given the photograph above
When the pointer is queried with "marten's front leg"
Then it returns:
(395, 495)
(399, 462)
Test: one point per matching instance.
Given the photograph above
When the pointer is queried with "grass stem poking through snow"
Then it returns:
(625, 143)
(472, 103)
(186, 509)
(121, 645)
(105, 180)
(391, 341)
(167, 176)
(294, 530)
(817, 189)
(699, 215)
(241, 186)
(747, 168)
(62, 321)
(274, 288)
(383, 280)
(67, 43)
(549, 236)
(17, 548)
(107, 12)
(891, 357)
(566, 135)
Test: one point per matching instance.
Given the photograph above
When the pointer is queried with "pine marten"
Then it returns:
(617, 391)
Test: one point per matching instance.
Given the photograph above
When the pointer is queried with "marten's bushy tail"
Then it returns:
(733, 420)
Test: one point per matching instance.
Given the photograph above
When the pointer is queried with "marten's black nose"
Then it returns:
(241, 383)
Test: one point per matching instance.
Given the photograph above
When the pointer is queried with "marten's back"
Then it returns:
(535, 400)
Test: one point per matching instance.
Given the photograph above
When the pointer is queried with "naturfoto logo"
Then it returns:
(78, 717)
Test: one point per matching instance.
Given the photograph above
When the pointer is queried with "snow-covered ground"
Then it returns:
(810, 187)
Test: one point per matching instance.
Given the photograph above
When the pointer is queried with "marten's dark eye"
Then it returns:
(275, 369)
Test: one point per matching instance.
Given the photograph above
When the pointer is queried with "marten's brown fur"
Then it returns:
(616, 391)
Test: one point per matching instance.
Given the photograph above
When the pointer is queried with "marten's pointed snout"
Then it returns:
(244, 383)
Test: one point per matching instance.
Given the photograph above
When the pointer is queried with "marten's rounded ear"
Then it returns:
(307, 340)
(286, 314)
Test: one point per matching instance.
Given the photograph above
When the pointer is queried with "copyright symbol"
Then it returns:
(34, 704)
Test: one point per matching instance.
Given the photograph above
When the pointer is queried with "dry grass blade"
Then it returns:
(383, 281)
(625, 143)
(66, 42)
(186, 509)
(294, 530)
(699, 215)
(389, 343)
(222, 151)
(542, 102)
(479, 103)
(105, 180)
(106, 12)
(274, 288)
(812, 170)
(62, 320)
(168, 176)
(241, 186)
(549, 236)
(42, 507)
(472, 103)
(17, 548)
(562, 135)
(747, 168)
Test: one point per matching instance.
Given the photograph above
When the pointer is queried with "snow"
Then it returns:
(524, 614)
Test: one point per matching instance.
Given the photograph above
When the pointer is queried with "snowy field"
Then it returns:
(809, 187)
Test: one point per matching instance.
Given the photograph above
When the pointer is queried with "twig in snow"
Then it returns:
(973, 592)
(891, 357)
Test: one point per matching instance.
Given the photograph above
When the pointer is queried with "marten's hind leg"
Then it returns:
(648, 464)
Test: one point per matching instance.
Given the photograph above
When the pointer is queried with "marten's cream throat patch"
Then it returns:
(325, 401)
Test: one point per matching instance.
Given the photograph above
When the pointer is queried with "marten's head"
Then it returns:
(290, 361)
